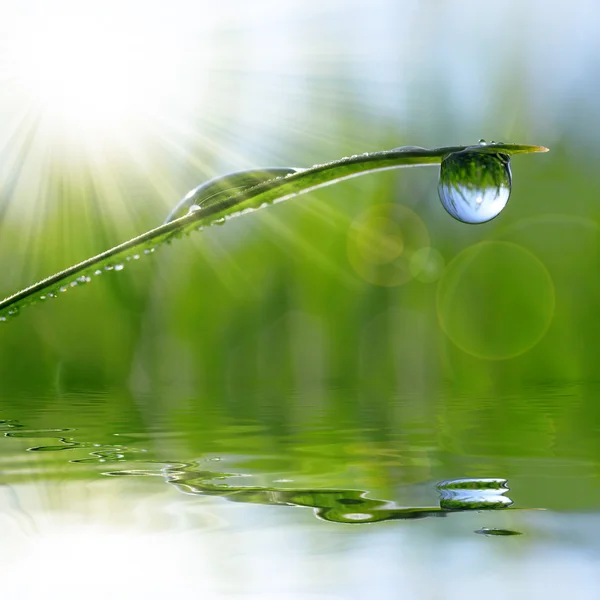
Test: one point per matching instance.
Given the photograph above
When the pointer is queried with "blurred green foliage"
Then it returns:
(266, 321)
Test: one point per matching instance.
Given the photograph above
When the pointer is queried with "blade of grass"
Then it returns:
(263, 194)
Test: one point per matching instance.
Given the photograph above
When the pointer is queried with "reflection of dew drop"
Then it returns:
(474, 494)
(119, 267)
(474, 187)
(468, 483)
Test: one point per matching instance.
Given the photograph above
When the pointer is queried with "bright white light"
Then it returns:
(93, 72)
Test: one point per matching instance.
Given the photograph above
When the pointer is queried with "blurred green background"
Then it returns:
(362, 307)
(356, 338)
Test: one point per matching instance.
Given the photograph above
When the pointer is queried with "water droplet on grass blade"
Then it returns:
(474, 187)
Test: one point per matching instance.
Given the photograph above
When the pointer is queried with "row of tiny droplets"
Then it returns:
(81, 280)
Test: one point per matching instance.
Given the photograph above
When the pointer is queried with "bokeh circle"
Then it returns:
(495, 300)
(383, 240)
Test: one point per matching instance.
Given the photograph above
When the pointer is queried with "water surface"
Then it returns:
(149, 500)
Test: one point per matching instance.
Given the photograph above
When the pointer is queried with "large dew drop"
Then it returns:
(474, 187)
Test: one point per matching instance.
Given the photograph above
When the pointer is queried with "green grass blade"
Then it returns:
(248, 199)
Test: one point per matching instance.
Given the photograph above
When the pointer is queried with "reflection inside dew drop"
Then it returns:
(474, 187)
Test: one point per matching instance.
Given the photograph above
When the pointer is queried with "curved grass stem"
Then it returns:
(249, 199)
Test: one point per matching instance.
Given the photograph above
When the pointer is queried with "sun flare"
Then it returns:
(91, 73)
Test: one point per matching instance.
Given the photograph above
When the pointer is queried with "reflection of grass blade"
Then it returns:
(265, 193)
(336, 505)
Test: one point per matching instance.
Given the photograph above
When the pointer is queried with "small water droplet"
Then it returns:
(64, 288)
(97, 272)
(43, 297)
(73, 284)
(109, 267)
(2, 319)
(482, 142)
(119, 267)
(136, 256)
(13, 311)
(474, 187)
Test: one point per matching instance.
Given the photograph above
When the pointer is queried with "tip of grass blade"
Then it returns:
(509, 148)
(535, 149)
